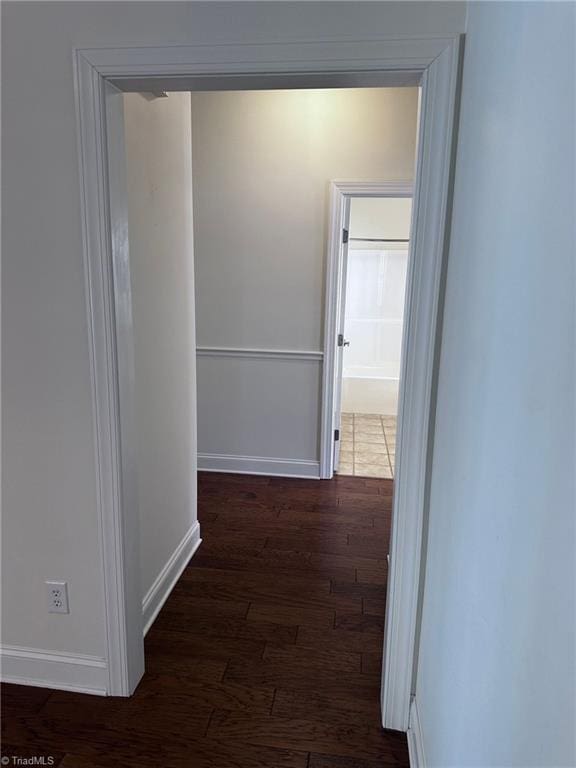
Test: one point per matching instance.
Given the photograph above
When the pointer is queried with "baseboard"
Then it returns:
(258, 465)
(169, 575)
(51, 669)
(415, 740)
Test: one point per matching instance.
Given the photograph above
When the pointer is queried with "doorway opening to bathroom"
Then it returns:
(370, 248)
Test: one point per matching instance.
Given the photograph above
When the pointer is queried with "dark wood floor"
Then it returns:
(266, 655)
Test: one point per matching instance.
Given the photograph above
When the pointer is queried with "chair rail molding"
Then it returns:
(260, 354)
(429, 62)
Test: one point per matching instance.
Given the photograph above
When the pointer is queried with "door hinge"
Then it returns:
(336, 435)
(340, 339)
(344, 235)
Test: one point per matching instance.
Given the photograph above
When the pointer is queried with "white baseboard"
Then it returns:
(168, 576)
(258, 465)
(51, 669)
(415, 740)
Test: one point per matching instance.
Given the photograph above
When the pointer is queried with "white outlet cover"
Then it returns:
(57, 593)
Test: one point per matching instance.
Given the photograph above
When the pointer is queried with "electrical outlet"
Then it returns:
(57, 596)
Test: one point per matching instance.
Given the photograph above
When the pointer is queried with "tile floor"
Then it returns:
(368, 445)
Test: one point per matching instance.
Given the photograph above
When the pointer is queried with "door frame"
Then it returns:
(340, 195)
(433, 63)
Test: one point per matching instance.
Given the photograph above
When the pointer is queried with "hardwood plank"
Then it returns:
(196, 608)
(206, 753)
(293, 584)
(306, 542)
(360, 622)
(348, 522)
(368, 546)
(152, 711)
(311, 705)
(118, 747)
(261, 631)
(372, 572)
(193, 646)
(22, 699)
(279, 562)
(291, 615)
(316, 593)
(372, 663)
(302, 734)
(303, 677)
(347, 560)
(400, 760)
(209, 670)
(356, 589)
(322, 658)
(340, 640)
(377, 505)
(374, 606)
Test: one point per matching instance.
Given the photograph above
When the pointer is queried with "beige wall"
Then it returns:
(263, 161)
(159, 162)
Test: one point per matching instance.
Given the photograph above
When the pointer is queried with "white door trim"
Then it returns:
(433, 63)
(340, 193)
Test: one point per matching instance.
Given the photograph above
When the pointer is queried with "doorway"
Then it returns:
(373, 286)
(100, 73)
(367, 278)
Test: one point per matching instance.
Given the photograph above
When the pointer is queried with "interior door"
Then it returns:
(340, 342)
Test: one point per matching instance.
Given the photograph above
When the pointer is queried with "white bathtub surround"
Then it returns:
(368, 447)
(376, 284)
(370, 395)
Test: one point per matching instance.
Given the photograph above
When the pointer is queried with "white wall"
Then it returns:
(159, 163)
(386, 217)
(50, 522)
(496, 675)
(263, 161)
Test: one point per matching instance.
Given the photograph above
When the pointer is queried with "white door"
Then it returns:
(340, 342)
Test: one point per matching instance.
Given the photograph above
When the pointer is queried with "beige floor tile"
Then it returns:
(370, 458)
(371, 470)
(367, 427)
(362, 447)
(345, 469)
(369, 437)
(366, 457)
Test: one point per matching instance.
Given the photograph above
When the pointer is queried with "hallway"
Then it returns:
(266, 655)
